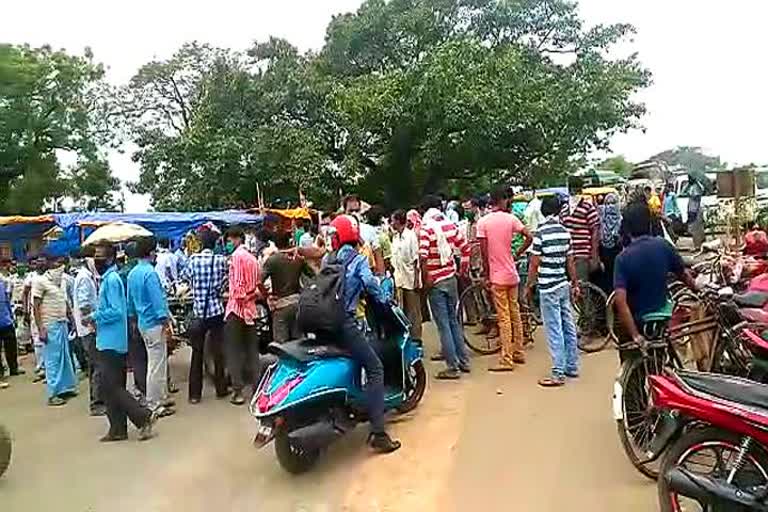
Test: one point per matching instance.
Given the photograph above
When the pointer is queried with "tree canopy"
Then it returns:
(50, 103)
(405, 97)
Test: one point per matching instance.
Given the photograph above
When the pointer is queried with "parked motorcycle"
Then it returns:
(314, 393)
(714, 429)
(5, 449)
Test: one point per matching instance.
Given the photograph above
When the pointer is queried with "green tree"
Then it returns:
(618, 164)
(690, 158)
(50, 102)
(92, 185)
(406, 96)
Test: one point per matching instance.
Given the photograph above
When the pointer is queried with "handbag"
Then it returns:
(197, 325)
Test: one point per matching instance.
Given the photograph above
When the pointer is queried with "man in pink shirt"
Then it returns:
(240, 333)
(495, 232)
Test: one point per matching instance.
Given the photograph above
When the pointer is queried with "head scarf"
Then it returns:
(415, 219)
(610, 221)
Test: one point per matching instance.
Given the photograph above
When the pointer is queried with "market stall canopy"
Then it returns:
(116, 232)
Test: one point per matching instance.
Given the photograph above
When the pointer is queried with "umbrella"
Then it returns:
(116, 232)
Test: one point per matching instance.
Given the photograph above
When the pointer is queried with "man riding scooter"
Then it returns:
(345, 237)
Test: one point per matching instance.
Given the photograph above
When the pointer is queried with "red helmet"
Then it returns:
(344, 229)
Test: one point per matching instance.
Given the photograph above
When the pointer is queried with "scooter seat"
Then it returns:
(305, 350)
(751, 299)
(726, 387)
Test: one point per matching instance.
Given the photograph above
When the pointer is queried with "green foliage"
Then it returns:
(690, 158)
(406, 96)
(618, 164)
(50, 102)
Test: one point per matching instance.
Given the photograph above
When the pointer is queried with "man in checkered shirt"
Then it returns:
(207, 274)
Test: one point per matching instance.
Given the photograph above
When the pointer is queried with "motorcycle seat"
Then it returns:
(305, 350)
(726, 387)
(751, 299)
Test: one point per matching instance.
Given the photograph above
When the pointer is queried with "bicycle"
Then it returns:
(664, 340)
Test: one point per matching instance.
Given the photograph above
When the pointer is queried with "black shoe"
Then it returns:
(465, 368)
(20, 371)
(381, 443)
(110, 438)
(449, 374)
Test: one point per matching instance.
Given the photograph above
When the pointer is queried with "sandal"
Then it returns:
(552, 382)
(501, 368)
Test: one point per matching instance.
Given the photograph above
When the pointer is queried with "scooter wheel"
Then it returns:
(413, 395)
(292, 458)
(5, 449)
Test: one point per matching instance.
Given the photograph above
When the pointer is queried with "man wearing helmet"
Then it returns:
(345, 239)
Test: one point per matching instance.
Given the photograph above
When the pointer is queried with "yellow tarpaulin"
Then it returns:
(295, 213)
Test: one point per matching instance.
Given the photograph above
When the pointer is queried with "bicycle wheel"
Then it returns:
(590, 309)
(635, 420)
(478, 318)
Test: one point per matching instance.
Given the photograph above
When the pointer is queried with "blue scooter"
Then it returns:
(314, 393)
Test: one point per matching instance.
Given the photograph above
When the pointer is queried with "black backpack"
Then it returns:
(321, 304)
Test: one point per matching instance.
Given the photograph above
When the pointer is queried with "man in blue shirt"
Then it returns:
(359, 278)
(7, 336)
(111, 319)
(148, 305)
(641, 270)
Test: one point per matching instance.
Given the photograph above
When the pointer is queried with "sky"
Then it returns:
(707, 58)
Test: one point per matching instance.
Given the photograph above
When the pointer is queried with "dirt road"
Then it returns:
(488, 442)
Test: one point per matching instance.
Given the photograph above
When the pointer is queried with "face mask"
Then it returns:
(229, 247)
(55, 274)
(102, 266)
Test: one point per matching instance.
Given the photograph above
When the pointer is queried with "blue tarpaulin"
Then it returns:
(171, 225)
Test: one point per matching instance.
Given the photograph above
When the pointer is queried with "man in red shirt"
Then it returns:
(240, 332)
(439, 240)
(495, 232)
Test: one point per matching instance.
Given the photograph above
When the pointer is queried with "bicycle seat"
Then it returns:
(662, 314)
(726, 387)
(751, 299)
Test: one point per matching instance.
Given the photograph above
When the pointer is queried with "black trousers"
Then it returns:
(79, 351)
(242, 351)
(210, 331)
(121, 405)
(9, 346)
(88, 343)
(137, 358)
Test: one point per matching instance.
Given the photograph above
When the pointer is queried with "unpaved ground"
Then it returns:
(489, 442)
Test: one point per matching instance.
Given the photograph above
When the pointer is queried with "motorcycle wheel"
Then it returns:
(292, 458)
(5, 449)
(413, 395)
(635, 427)
(694, 449)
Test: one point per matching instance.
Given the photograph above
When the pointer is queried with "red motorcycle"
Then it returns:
(713, 433)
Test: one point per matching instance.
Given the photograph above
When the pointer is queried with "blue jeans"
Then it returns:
(560, 329)
(443, 301)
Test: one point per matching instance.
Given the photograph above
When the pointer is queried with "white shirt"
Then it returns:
(532, 215)
(405, 254)
(84, 296)
(166, 267)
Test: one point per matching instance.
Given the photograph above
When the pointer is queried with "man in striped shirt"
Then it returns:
(439, 241)
(581, 219)
(552, 254)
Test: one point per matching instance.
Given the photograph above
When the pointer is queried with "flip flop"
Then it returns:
(551, 382)
(502, 368)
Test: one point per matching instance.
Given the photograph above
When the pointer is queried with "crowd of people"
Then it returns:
(100, 313)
